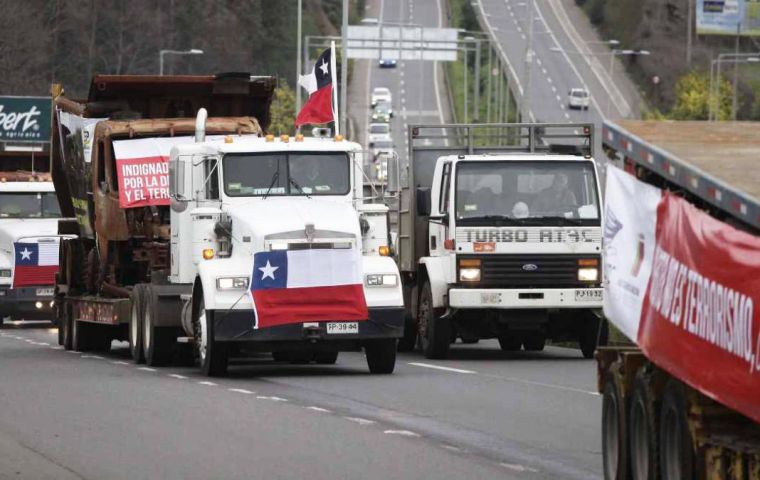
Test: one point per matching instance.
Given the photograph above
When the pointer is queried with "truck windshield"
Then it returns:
(29, 205)
(530, 193)
(280, 173)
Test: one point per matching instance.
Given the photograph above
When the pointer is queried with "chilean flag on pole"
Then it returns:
(36, 263)
(295, 286)
(320, 107)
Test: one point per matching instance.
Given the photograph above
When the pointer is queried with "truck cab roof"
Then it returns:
(252, 143)
(515, 157)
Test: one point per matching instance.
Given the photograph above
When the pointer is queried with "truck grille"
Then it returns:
(558, 271)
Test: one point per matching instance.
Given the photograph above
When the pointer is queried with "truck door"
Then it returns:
(440, 207)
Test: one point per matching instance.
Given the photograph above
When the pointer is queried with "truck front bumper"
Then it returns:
(508, 298)
(237, 326)
(26, 303)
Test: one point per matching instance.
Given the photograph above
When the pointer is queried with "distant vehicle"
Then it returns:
(378, 132)
(578, 98)
(380, 94)
(386, 63)
(382, 112)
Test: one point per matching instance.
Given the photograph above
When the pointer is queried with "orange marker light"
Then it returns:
(384, 251)
(208, 253)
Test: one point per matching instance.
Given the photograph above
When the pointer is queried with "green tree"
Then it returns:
(693, 98)
(283, 111)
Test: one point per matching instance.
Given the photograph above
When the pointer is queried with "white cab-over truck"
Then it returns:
(500, 236)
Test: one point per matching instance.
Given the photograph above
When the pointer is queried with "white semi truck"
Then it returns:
(500, 236)
(267, 244)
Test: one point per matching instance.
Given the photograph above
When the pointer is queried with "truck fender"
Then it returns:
(206, 281)
(436, 275)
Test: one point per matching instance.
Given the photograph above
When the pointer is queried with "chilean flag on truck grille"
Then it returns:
(295, 286)
(319, 83)
(36, 263)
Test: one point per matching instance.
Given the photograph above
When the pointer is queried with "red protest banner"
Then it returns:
(143, 181)
(698, 318)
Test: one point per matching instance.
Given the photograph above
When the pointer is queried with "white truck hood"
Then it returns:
(14, 229)
(274, 216)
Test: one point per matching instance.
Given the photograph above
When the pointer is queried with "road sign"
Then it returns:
(410, 42)
(25, 119)
(728, 17)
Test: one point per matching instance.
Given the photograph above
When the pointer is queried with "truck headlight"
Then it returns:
(381, 280)
(5, 273)
(232, 283)
(469, 274)
(588, 274)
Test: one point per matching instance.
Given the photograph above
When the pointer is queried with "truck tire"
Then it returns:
(534, 342)
(136, 313)
(157, 342)
(510, 342)
(409, 340)
(590, 333)
(434, 332)
(67, 325)
(643, 429)
(614, 434)
(80, 338)
(676, 445)
(326, 358)
(381, 355)
(213, 355)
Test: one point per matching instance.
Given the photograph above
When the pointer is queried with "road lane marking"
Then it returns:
(71, 351)
(438, 367)
(272, 398)
(96, 357)
(554, 89)
(318, 409)
(539, 62)
(43, 343)
(567, 115)
(146, 369)
(119, 362)
(360, 421)
(208, 384)
(549, 79)
(543, 70)
(56, 347)
(518, 468)
(177, 376)
(403, 433)
(241, 390)
(559, 99)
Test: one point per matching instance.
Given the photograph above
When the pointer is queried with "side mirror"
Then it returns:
(178, 202)
(423, 201)
(394, 173)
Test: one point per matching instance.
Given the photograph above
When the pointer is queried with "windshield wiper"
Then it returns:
(489, 218)
(568, 221)
(298, 187)
(271, 184)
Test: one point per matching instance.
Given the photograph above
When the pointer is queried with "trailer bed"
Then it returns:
(717, 161)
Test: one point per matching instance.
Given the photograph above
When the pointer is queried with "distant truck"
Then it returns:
(29, 211)
(681, 400)
(500, 236)
(203, 237)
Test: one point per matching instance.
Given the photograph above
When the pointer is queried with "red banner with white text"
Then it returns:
(698, 318)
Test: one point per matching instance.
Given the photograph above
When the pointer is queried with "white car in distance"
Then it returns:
(380, 94)
(579, 98)
(378, 132)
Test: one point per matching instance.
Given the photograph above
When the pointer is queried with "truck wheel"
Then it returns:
(510, 343)
(676, 446)
(326, 358)
(409, 340)
(137, 310)
(643, 428)
(614, 435)
(67, 325)
(434, 332)
(534, 342)
(212, 354)
(80, 338)
(381, 355)
(589, 333)
(157, 341)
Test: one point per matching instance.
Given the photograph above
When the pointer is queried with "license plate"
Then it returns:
(45, 292)
(342, 328)
(490, 298)
(588, 295)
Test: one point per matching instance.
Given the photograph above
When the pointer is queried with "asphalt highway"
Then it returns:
(480, 414)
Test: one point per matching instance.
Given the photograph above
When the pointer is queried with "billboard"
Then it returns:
(25, 119)
(728, 17)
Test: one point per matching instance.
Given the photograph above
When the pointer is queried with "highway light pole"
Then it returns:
(525, 108)
(161, 53)
(299, 61)
(344, 69)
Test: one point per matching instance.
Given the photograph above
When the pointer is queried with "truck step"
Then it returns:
(185, 340)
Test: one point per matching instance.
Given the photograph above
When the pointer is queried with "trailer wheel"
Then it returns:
(381, 355)
(614, 435)
(137, 311)
(534, 342)
(676, 446)
(409, 340)
(434, 332)
(510, 342)
(643, 428)
(157, 341)
(326, 358)
(212, 354)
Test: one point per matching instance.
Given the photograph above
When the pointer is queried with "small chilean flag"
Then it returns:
(295, 286)
(319, 83)
(36, 263)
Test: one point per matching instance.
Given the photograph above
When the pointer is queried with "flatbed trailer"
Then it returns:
(655, 425)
